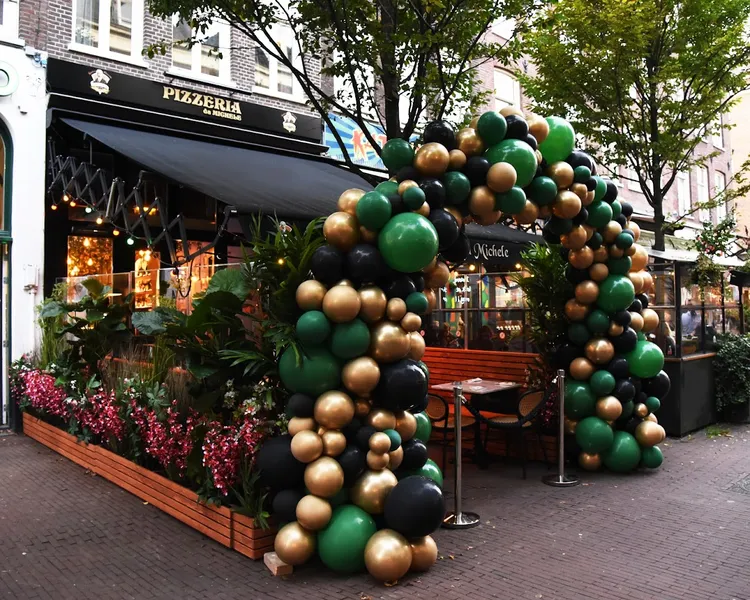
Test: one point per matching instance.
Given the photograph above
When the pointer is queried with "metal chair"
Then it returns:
(444, 421)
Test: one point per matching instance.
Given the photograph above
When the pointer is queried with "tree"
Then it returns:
(642, 80)
(385, 51)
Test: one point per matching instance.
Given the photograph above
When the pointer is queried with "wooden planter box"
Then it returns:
(221, 524)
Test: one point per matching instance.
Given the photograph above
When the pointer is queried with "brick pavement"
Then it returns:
(680, 532)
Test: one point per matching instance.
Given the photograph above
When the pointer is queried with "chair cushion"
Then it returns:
(465, 422)
(507, 420)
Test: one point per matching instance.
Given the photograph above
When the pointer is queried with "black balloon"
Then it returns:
(624, 390)
(400, 287)
(300, 405)
(626, 341)
(415, 507)
(627, 209)
(622, 317)
(277, 466)
(619, 368)
(418, 280)
(327, 264)
(631, 425)
(364, 263)
(596, 241)
(350, 430)
(363, 436)
(476, 170)
(621, 220)
(636, 306)
(611, 194)
(591, 184)
(636, 381)
(402, 385)
(440, 132)
(405, 173)
(397, 204)
(434, 192)
(518, 128)
(420, 406)
(415, 454)
(565, 354)
(550, 236)
(581, 217)
(353, 461)
(643, 299)
(577, 275)
(446, 226)
(640, 398)
(657, 386)
(578, 158)
(458, 250)
(531, 141)
(284, 505)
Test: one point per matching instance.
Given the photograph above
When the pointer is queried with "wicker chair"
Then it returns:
(529, 405)
(445, 422)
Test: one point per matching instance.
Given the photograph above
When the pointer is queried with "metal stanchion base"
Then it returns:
(560, 480)
(462, 520)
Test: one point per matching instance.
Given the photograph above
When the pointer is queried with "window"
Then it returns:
(702, 184)
(717, 137)
(111, 28)
(684, 201)
(507, 90)
(9, 20)
(271, 75)
(720, 182)
(633, 182)
(209, 58)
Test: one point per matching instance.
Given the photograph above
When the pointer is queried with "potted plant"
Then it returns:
(732, 378)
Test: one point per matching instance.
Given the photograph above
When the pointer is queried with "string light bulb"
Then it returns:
(281, 261)
(116, 232)
(72, 203)
(99, 220)
(472, 267)
(518, 266)
(88, 210)
(65, 197)
(90, 262)
(131, 241)
(54, 207)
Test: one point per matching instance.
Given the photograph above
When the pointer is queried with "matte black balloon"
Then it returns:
(434, 192)
(518, 128)
(624, 390)
(364, 264)
(327, 264)
(539, 171)
(626, 341)
(629, 232)
(619, 368)
(581, 217)
(591, 184)
(402, 385)
(418, 280)
(550, 236)
(407, 172)
(643, 299)
(400, 287)
(637, 383)
(415, 454)
(627, 209)
(578, 158)
(621, 220)
(300, 405)
(440, 132)
(350, 430)
(596, 241)
(631, 424)
(636, 306)
(353, 461)
(446, 226)
(415, 507)
(622, 317)
(458, 251)
(397, 204)
(560, 226)
(420, 406)
(363, 436)
(640, 398)
(577, 275)
(476, 170)
(531, 141)
(565, 354)
(277, 466)
(284, 505)
(611, 194)
(657, 386)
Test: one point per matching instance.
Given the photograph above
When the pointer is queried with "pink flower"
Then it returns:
(100, 414)
(43, 395)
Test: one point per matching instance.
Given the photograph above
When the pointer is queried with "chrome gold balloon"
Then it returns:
(372, 304)
(608, 408)
(615, 330)
(381, 419)
(416, 345)
(341, 304)
(334, 410)
(395, 309)
(370, 491)
(589, 199)
(361, 375)
(431, 299)
(395, 457)
(589, 462)
(432, 159)
(562, 174)
(388, 342)
(636, 321)
(570, 426)
(310, 294)
(611, 231)
(307, 446)
(648, 282)
(538, 127)
(567, 205)
(575, 311)
(362, 407)
(297, 424)
(424, 210)
(387, 555)
(348, 200)
(457, 160)
(341, 229)
(294, 544)
(641, 410)
(313, 513)
(334, 442)
(379, 443)
(599, 271)
(587, 292)
(376, 461)
(637, 281)
(424, 554)
(501, 177)
(580, 190)
(406, 425)
(581, 369)
(601, 255)
(528, 214)
(405, 185)
(506, 111)
(411, 322)
(649, 433)
(581, 259)
(615, 252)
(488, 219)
(599, 351)
(650, 319)
(639, 259)
(324, 477)
(575, 239)
(438, 276)
(469, 142)
(482, 201)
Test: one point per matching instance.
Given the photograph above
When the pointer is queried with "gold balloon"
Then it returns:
(589, 462)
(405, 185)
(395, 458)
(372, 302)
(379, 443)
(469, 142)
(361, 375)
(587, 292)
(652, 417)
(611, 231)
(387, 555)
(406, 425)
(411, 322)
(324, 477)
(639, 259)
(575, 239)
(348, 200)
(538, 127)
(389, 342)
(601, 255)
(341, 230)
(649, 433)
(307, 446)
(648, 282)
(581, 369)
(506, 111)
(608, 408)
(570, 426)
(382, 419)
(636, 321)
(474, 122)
(367, 236)
(294, 544)
(395, 309)
(575, 311)
(297, 424)
(481, 200)
(334, 410)
(581, 259)
(616, 252)
(416, 346)
(589, 231)
(341, 304)
(457, 159)
(321, 430)
(631, 251)
(599, 271)
(310, 294)
(346, 283)
(371, 489)
(562, 174)
(637, 281)
(501, 177)
(599, 351)
(424, 210)
(589, 198)
(580, 190)
(432, 159)
(313, 513)
(362, 407)
(438, 276)
(650, 319)
(431, 299)
(334, 442)
(528, 214)
(489, 218)
(567, 205)
(641, 410)
(376, 461)
(424, 553)
(636, 229)
(615, 330)
(539, 157)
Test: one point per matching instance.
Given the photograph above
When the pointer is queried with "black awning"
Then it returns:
(498, 245)
(251, 180)
(500, 233)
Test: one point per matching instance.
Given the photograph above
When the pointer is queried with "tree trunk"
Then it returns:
(390, 76)
(658, 218)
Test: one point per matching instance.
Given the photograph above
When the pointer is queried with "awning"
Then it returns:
(691, 256)
(501, 233)
(497, 244)
(251, 180)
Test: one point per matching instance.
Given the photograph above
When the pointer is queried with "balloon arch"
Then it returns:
(352, 480)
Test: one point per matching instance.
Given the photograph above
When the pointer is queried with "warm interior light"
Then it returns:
(518, 266)
(86, 242)
(90, 262)
(116, 232)
(281, 261)
(99, 220)
(472, 267)
(73, 203)
(66, 198)
(54, 207)
(131, 241)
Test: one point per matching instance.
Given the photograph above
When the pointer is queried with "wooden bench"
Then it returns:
(453, 364)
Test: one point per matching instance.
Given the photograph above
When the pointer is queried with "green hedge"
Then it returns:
(732, 371)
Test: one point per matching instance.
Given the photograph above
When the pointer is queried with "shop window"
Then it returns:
(89, 256)
(111, 28)
(702, 188)
(507, 90)
(272, 76)
(720, 182)
(684, 201)
(9, 20)
(209, 58)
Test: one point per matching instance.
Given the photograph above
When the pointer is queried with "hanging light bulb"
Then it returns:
(472, 267)
(89, 210)
(131, 241)
(73, 203)
(90, 262)
(99, 220)
(116, 232)
(65, 197)
(54, 207)
(281, 261)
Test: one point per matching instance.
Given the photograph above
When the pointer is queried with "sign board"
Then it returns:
(357, 146)
(495, 253)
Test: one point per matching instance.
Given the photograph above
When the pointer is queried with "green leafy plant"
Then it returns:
(732, 371)
(706, 274)
(251, 495)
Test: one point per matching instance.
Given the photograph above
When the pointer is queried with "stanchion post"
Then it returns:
(561, 479)
(458, 519)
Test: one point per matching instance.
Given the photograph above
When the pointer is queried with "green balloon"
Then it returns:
(646, 360)
(594, 435)
(602, 383)
(601, 188)
(581, 174)
(579, 334)
(619, 266)
(651, 458)
(457, 187)
(492, 127)
(616, 292)
(341, 544)
(397, 154)
(429, 470)
(624, 454)
(417, 302)
(542, 190)
(641, 336)
(512, 201)
(318, 372)
(597, 322)
(387, 188)
(395, 438)
(559, 142)
(624, 240)
(408, 242)
(422, 365)
(600, 213)
(350, 339)
(627, 411)
(313, 328)
(339, 498)
(373, 210)
(517, 153)
(414, 198)
(653, 404)
(560, 226)
(580, 402)
(424, 427)
(616, 208)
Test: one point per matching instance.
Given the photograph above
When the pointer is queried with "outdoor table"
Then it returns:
(482, 392)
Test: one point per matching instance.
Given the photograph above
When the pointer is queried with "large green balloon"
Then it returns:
(624, 454)
(619, 266)
(646, 360)
(457, 187)
(616, 292)
(408, 242)
(600, 213)
(542, 190)
(429, 470)
(512, 201)
(318, 372)
(560, 141)
(578, 333)
(597, 322)
(651, 458)
(517, 153)
(350, 339)
(417, 302)
(424, 427)
(602, 383)
(581, 174)
(491, 127)
(594, 435)
(341, 545)
(397, 153)
(580, 402)
(373, 210)
(313, 328)
(387, 187)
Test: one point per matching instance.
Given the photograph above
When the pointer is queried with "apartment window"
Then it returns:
(702, 185)
(111, 28)
(684, 202)
(720, 182)
(507, 90)
(717, 137)
(633, 182)
(272, 76)
(208, 58)
(9, 20)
